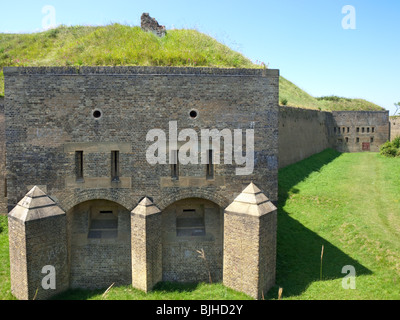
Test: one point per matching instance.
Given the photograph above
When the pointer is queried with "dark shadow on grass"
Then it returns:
(78, 294)
(299, 248)
(167, 286)
(291, 175)
(299, 258)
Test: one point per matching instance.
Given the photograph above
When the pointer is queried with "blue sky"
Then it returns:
(305, 39)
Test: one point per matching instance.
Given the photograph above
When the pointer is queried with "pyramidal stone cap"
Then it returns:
(35, 205)
(251, 201)
(145, 208)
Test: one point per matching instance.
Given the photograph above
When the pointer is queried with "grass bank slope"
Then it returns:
(297, 97)
(348, 203)
(116, 44)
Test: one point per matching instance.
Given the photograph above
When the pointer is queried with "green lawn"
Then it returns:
(162, 291)
(348, 203)
(5, 291)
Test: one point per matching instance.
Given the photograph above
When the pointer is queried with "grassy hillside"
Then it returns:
(117, 44)
(298, 98)
(348, 203)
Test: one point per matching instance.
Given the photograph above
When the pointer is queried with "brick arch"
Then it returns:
(94, 265)
(95, 194)
(184, 194)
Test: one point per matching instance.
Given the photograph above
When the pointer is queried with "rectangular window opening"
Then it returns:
(115, 165)
(348, 129)
(174, 165)
(368, 129)
(190, 224)
(103, 224)
(357, 139)
(372, 139)
(358, 129)
(373, 129)
(79, 165)
(210, 165)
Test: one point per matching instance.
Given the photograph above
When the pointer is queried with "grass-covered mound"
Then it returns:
(292, 95)
(122, 45)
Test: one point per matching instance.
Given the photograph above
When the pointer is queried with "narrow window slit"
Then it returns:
(174, 165)
(210, 165)
(115, 165)
(79, 165)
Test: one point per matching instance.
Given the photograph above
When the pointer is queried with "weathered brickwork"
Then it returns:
(37, 241)
(394, 127)
(181, 257)
(64, 126)
(250, 264)
(147, 243)
(3, 195)
(45, 241)
(358, 131)
(18, 267)
(80, 135)
(133, 101)
(304, 132)
(99, 256)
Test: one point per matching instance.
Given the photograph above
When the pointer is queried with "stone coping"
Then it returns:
(283, 110)
(139, 70)
(360, 111)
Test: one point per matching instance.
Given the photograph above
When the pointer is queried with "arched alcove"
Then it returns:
(99, 244)
(189, 226)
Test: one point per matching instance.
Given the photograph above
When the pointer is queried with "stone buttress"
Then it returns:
(38, 247)
(146, 245)
(250, 243)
